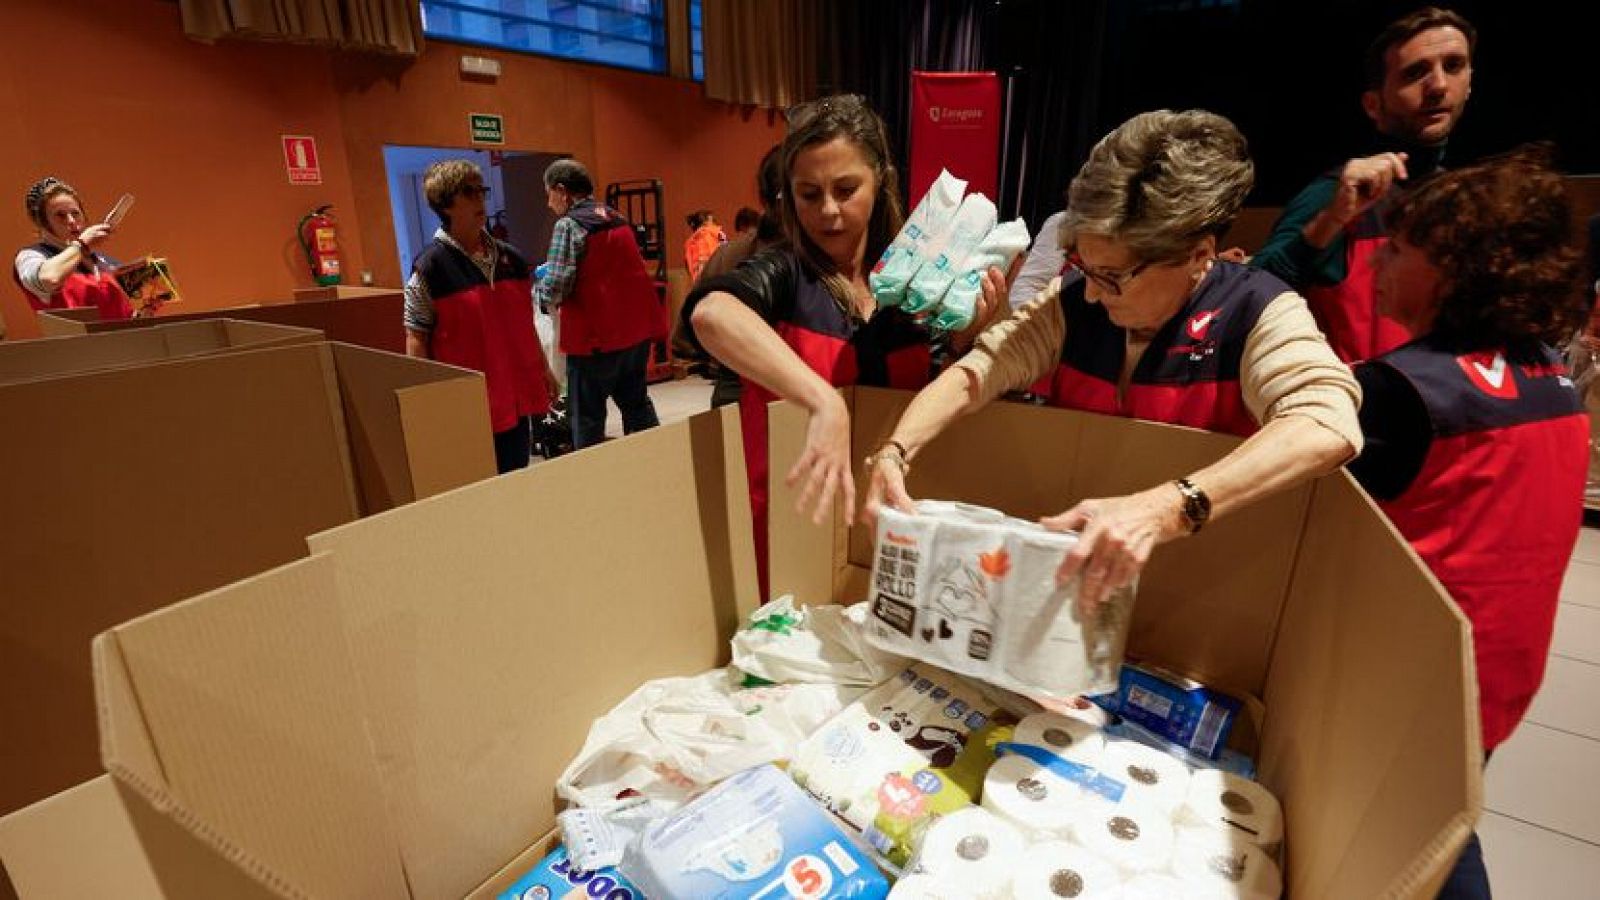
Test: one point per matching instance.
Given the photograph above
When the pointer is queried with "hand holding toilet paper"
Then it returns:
(974, 591)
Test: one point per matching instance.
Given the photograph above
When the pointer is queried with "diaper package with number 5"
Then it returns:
(755, 835)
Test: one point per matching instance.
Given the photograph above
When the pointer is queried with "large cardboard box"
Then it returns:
(367, 317)
(127, 489)
(407, 696)
(45, 357)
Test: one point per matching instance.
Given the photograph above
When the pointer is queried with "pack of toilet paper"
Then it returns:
(974, 219)
(974, 591)
(754, 835)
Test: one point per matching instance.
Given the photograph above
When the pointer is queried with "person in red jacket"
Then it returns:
(797, 320)
(65, 269)
(1419, 76)
(610, 312)
(469, 303)
(1476, 441)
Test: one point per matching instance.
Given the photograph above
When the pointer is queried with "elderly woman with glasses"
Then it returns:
(1158, 328)
(797, 321)
(469, 302)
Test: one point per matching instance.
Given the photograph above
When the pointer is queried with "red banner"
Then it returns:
(955, 125)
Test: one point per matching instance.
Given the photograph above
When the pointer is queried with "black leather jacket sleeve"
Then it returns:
(766, 282)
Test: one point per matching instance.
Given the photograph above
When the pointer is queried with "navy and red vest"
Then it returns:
(888, 350)
(98, 289)
(488, 326)
(1347, 312)
(1189, 373)
(613, 304)
(1496, 507)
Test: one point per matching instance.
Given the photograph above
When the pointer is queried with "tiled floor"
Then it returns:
(1541, 821)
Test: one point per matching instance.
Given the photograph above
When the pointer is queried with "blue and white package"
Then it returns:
(755, 835)
(1186, 713)
(555, 878)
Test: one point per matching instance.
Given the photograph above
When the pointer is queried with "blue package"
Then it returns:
(755, 835)
(1185, 713)
(555, 878)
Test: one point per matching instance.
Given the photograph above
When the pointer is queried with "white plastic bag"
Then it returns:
(822, 644)
(674, 737)
(998, 248)
(548, 328)
(917, 239)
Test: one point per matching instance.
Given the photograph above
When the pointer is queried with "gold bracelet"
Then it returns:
(891, 451)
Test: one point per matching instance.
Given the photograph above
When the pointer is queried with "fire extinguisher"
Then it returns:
(320, 240)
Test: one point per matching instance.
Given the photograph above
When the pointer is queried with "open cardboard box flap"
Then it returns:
(52, 356)
(409, 695)
(196, 472)
(430, 662)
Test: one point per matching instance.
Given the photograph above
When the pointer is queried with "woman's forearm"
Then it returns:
(1284, 453)
(54, 271)
(949, 397)
(745, 343)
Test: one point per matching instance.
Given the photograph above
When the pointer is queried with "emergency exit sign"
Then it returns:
(487, 128)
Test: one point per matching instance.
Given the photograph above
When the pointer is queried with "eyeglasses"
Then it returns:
(800, 114)
(1112, 283)
(474, 191)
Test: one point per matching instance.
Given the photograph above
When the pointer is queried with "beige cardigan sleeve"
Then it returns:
(1289, 369)
(1019, 350)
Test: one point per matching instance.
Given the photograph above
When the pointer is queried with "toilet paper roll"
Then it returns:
(1221, 862)
(1040, 804)
(1152, 778)
(1160, 886)
(1057, 869)
(925, 886)
(1132, 837)
(1223, 800)
(973, 849)
(1066, 737)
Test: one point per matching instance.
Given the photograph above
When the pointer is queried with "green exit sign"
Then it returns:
(487, 128)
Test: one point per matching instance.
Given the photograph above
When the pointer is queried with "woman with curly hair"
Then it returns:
(65, 268)
(1476, 442)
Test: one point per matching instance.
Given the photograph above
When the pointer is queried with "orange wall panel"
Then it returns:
(114, 98)
(122, 101)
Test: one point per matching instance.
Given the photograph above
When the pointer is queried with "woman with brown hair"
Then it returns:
(797, 321)
(65, 267)
(1476, 442)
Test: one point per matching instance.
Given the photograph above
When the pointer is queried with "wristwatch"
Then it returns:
(1196, 505)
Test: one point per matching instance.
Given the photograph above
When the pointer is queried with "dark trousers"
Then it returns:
(1469, 880)
(617, 375)
(513, 446)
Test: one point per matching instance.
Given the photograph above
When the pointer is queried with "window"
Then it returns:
(628, 33)
(697, 41)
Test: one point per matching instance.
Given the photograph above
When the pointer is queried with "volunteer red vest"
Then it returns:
(1188, 375)
(1347, 312)
(81, 289)
(613, 304)
(1496, 508)
(488, 327)
(889, 350)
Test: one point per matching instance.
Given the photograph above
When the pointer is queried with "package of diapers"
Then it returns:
(916, 240)
(974, 591)
(973, 221)
(754, 835)
(998, 248)
(556, 878)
